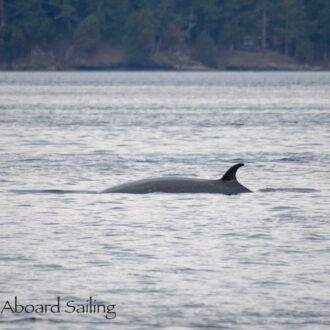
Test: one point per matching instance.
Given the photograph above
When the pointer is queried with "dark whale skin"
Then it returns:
(227, 185)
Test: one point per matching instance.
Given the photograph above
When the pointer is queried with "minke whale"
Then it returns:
(227, 185)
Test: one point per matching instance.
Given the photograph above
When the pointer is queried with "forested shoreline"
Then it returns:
(173, 34)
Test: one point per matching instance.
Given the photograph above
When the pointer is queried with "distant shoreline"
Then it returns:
(165, 70)
(107, 58)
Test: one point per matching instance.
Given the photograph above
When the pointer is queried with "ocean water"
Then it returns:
(167, 261)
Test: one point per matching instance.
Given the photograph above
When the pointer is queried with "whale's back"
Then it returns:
(227, 185)
(179, 185)
(166, 185)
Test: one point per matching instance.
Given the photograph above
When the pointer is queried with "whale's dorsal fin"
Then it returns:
(231, 173)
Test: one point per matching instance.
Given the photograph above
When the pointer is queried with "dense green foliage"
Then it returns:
(297, 28)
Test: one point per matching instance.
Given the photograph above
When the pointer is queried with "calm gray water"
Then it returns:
(169, 261)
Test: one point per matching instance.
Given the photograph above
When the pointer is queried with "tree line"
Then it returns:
(297, 28)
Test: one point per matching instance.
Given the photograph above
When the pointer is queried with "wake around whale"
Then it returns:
(227, 185)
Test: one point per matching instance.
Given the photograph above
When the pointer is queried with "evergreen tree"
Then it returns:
(140, 36)
(87, 34)
(318, 12)
(205, 49)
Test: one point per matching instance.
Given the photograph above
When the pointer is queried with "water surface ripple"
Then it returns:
(251, 261)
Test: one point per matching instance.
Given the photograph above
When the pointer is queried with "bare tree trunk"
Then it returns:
(2, 14)
(157, 45)
(191, 23)
(264, 28)
(325, 53)
(296, 49)
(286, 36)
